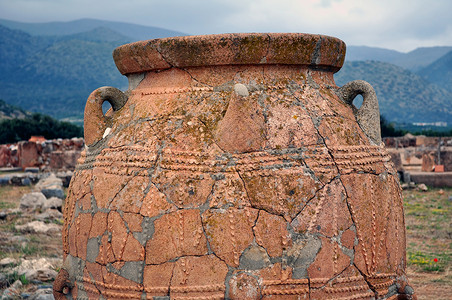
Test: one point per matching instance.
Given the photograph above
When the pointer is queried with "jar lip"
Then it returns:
(312, 50)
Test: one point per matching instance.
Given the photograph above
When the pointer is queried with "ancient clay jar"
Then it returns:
(233, 167)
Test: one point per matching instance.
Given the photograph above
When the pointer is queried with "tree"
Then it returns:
(14, 130)
(388, 129)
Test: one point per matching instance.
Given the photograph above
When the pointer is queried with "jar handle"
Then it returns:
(61, 285)
(368, 115)
(96, 122)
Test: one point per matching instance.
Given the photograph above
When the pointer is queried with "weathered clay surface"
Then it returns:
(234, 170)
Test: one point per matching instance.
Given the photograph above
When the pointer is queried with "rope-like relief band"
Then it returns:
(132, 295)
(140, 288)
(331, 290)
(166, 91)
(137, 288)
(368, 295)
(285, 291)
(210, 297)
(202, 288)
(261, 161)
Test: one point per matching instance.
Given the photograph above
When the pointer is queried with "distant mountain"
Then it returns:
(98, 34)
(8, 111)
(15, 46)
(414, 60)
(56, 75)
(439, 72)
(403, 96)
(362, 53)
(133, 31)
(55, 72)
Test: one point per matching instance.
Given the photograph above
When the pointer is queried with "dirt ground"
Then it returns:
(428, 219)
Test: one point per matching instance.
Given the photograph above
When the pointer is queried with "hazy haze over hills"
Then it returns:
(403, 96)
(440, 71)
(52, 68)
(133, 31)
(413, 60)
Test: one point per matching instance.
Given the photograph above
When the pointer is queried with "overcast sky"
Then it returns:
(394, 24)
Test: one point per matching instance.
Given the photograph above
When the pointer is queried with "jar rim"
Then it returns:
(312, 50)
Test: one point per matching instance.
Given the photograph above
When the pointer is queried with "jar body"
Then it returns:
(236, 182)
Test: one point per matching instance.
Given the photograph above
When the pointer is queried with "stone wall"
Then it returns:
(416, 141)
(59, 154)
(421, 153)
(431, 158)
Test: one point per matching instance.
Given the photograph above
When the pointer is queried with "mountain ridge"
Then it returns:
(440, 71)
(401, 93)
(135, 31)
(55, 74)
(414, 60)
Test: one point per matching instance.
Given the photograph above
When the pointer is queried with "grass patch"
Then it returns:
(10, 194)
(6, 205)
(428, 262)
(29, 250)
(428, 218)
(13, 277)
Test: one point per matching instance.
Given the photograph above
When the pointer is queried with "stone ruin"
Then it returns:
(422, 159)
(58, 154)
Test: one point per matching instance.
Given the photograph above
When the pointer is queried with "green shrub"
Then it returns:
(14, 130)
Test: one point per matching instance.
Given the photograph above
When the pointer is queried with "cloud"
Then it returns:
(386, 23)
(396, 24)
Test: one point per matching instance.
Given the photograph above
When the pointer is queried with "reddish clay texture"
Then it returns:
(229, 232)
(179, 233)
(233, 168)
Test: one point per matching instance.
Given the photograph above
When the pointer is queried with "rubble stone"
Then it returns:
(42, 269)
(32, 201)
(39, 227)
(52, 203)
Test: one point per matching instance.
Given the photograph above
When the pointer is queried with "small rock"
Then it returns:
(7, 262)
(50, 214)
(42, 296)
(32, 170)
(45, 287)
(32, 201)
(450, 198)
(26, 181)
(51, 186)
(42, 269)
(4, 180)
(53, 193)
(39, 227)
(422, 187)
(49, 182)
(3, 215)
(3, 281)
(53, 202)
(17, 284)
(406, 177)
(441, 192)
(241, 90)
(65, 177)
(13, 291)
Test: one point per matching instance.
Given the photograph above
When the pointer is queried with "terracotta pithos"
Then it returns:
(233, 168)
